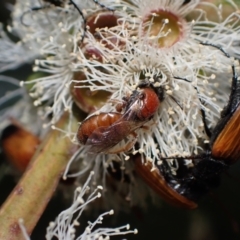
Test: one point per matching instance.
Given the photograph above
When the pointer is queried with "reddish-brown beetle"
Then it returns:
(101, 132)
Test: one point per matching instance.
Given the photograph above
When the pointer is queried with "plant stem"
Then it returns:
(36, 187)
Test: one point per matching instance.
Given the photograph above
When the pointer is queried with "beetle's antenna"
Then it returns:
(182, 158)
(207, 130)
(216, 46)
(234, 97)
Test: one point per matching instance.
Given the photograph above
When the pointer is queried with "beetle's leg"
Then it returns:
(207, 129)
(234, 98)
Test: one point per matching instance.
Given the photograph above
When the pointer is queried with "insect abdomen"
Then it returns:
(96, 121)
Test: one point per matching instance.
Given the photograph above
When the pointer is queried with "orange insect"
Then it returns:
(101, 132)
(19, 145)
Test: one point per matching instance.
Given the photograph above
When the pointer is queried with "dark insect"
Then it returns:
(182, 181)
(101, 132)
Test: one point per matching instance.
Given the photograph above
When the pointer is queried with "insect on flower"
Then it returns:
(182, 181)
(101, 132)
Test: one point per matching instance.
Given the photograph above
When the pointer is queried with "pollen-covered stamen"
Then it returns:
(164, 27)
(66, 224)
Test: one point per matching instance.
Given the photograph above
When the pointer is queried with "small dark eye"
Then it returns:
(142, 96)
